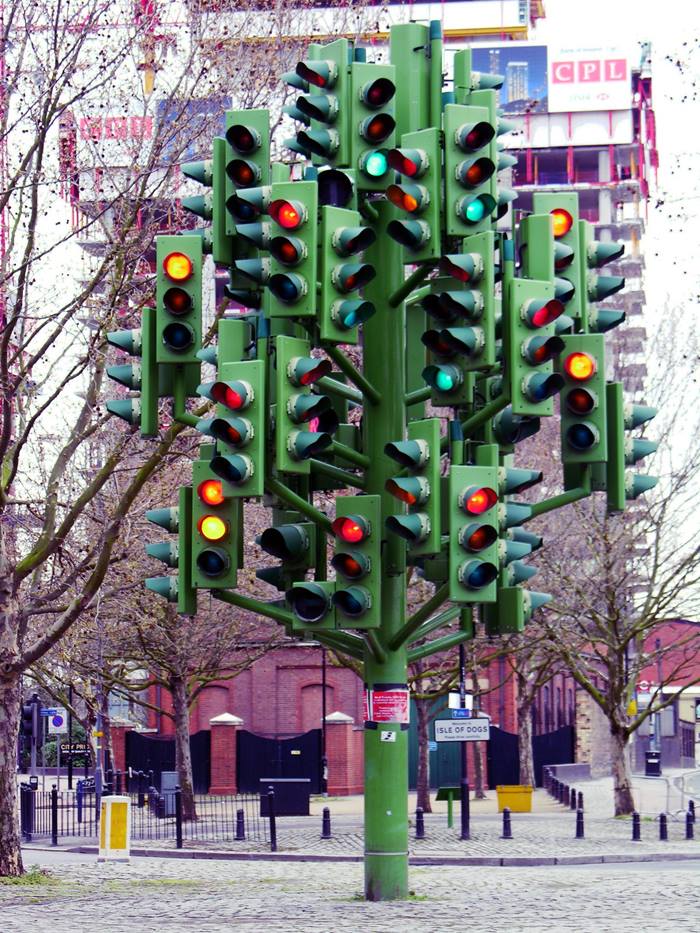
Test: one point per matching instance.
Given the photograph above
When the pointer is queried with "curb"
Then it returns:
(506, 861)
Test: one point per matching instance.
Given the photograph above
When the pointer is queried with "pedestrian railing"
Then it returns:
(155, 817)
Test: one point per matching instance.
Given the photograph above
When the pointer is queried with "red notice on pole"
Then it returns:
(387, 705)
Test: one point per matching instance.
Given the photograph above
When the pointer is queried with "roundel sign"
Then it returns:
(58, 724)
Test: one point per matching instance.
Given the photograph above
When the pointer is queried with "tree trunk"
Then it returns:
(423, 777)
(525, 759)
(478, 772)
(622, 783)
(183, 758)
(10, 853)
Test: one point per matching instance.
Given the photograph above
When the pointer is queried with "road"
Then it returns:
(202, 896)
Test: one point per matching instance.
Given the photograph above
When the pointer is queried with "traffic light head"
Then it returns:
(420, 157)
(178, 298)
(178, 588)
(246, 160)
(474, 526)
(293, 238)
(357, 561)
(531, 345)
(372, 123)
(470, 167)
(583, 399)
(342, 237)
(215, 528)
(239, 426)
(562, 208)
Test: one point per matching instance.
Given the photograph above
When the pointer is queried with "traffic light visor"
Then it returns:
(377, 93)
(243, 138)
(234, 395)
(177, 301)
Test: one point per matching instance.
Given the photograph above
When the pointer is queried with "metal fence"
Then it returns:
(154, 816)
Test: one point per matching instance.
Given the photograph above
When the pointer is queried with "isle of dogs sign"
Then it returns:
(462, 730)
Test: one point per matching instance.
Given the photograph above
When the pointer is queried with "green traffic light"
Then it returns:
(374, 163)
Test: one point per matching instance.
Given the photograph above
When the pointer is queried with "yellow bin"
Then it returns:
(517, 797)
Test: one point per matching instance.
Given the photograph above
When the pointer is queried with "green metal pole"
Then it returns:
(386, 745)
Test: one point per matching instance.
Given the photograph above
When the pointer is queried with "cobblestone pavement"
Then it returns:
(173, 896)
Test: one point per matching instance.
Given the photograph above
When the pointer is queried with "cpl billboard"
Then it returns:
(558, 79)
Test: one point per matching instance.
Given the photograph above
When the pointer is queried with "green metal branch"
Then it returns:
(343, 476)
(564, 498)
(354, 375)
(417, 396)
(414, 279)
(340, 641)
(349, 454)
(254, 605)
(418, 295)
(375, 646)
(439, 644)
(338, 388)
(419, 617)
(283, 492)
(180, 399)
(489, 410)
(447, 615)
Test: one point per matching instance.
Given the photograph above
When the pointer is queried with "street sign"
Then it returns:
(453, 701)
(461, 713)
(644, 686)
(48, 710)
(432, 746)
(474, 730)
(58, 721)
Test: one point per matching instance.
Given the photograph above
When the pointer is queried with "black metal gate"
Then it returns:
(259, 757)
(157, 753)
(550, 748)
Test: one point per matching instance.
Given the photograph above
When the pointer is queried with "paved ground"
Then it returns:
(174, 896)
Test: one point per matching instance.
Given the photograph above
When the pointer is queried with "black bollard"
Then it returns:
(554, 788)
(580, 801)
(141, 798)
(563, 793)
(691, 809)
(636, 827)
(326, 824)
(663, 827)
(240, 825)
(54, 815)
(689, 825)
(420, 824)
(507, 831)
(579, 824)
(572, 801)
(178, 818)
(271, 815)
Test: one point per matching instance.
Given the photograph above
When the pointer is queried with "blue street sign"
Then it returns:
(48, 711)
(461, 713)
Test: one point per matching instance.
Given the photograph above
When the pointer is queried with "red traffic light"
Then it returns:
(351, 566)
(539, 313)
(290, 251)
(234, 395)
(474, 136)
(242, 173)
(478, 537)
(288, 214)
(377, 93)
(177, 301)
(377, 129)
(580, 366)
(580, 401)
(243, 138)
(563, 221)
(211, 492)
(478, 499)
(410, 199)
(353, 529)
(178, 267)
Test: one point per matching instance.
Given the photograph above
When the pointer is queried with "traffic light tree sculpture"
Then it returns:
(394, 219)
